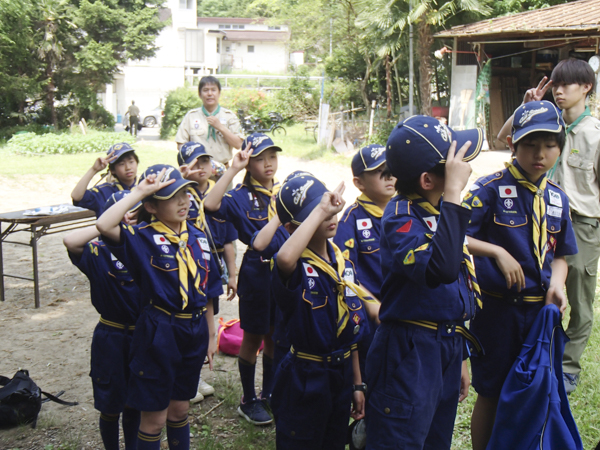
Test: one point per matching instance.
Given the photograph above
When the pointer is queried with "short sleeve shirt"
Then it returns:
(194, 127)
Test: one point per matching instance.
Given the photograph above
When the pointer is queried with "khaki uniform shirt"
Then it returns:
(133, 111)
(194, 127)
(578, 168)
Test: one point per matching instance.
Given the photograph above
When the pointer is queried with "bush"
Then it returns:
(93, 142)
(381, 132)
(251, 102)
(179, 102)
(35, 128)
(300, 99)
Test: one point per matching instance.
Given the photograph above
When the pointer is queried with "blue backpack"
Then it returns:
(533, 410)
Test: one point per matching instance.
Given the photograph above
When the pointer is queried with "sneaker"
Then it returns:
(266, 402)
(254, 412)
(571, 381)
(198, 398)
(205, 389)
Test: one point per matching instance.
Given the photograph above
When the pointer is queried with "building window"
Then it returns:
(186, 4)
(218, 45)
(227, 49)
(224, 27)
(251, 49)
(239, 27)
(275, 28)
(194, 46)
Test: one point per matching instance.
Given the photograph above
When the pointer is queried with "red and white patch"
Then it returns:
(405, 228)
(159, 239)
(356, 318)
(363, 224)
(431, 222)
(507, 191)
(309, 270)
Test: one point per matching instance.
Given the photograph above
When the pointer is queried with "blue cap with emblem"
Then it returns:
(536, 116)
(298, 197)
(259, 143)
(189, 152)
(120, 149)
(420, 143)
(297, 173)
(118, 196)
(171, 173)
(368, 158)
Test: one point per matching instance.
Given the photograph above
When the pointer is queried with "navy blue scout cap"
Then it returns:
(118, 196)
(298, 197)
(171, 174)
(189, 152)
(120, 149)
(297, 173)
(368, 158)
(259, 143)
(419, 143)
(536, 116)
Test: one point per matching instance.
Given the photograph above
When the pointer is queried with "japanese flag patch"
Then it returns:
(363, 224)
(431, 223)
(507, 191)
(159, 239)
(309, 270)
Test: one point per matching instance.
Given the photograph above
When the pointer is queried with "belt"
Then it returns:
(516, 299)
(584, 219)
(120, 326)
(194, 315)
(448, 329)
(334, 358)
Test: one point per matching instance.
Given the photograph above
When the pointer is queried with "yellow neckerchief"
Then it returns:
(369, 206)
(184, 257)
(338, 277)
(538, 214)
(201, 219)
(272, 194)
(419, 201)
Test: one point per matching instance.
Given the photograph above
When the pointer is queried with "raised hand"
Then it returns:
(333, 202)
(154, 183)
(214, 122)
(242, 158)
(457, 172)
(537, 93)
(102, 162)
(187, 169)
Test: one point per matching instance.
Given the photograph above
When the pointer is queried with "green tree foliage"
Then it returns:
(502, 7)
(179, 102)
(67, 50)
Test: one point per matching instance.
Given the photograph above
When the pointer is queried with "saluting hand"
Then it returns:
(154, 183)
(102, 162)
(241, 158)
(187, 169)
(333, 202)
(457, 172)
(537, 93)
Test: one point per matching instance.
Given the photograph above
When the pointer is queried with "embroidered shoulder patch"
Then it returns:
(410, 258)
(349, 243)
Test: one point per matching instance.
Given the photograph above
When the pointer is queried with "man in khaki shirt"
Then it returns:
(213, 126)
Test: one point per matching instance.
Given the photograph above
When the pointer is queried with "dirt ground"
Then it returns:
(53, 342)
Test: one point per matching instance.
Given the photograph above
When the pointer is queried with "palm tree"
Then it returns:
(390, 18)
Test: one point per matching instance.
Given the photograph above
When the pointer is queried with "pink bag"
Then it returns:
(229, 337)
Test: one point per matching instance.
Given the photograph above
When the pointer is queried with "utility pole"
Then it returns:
(411, 64)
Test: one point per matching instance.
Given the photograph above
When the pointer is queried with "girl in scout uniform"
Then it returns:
(415, 369)
(520, 233)
(249, 206)
(122, 164)
(117, 299)
(323, 313)
(169, 259)
(195, 164)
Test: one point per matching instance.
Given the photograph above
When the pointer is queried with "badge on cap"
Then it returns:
(509, 191)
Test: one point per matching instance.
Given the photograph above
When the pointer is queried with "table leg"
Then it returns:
(1, 267)
(36, 278)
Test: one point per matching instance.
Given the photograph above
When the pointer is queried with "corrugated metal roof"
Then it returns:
(578, 16)
(247, 35)
(229, 20)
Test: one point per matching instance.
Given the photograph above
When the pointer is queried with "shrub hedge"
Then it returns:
(65, 143)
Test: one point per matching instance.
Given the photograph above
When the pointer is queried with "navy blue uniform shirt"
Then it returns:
(308, 301)
(151, 259)
(244, 210)
(95, 198)
(358, 238)
(424, 274)
(114, 294)
(502, 215)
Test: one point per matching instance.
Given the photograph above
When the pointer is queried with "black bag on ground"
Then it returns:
(21, 400)
(139, 126)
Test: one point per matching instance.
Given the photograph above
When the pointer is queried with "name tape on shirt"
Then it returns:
(203, 242)
(555, 198)
(507, 191)
(363, 224)
(554, 211)
(309, 270)
(349, 276)
(431, 223)
(159, 239)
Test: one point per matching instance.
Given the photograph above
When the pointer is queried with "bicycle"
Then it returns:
(253, 124)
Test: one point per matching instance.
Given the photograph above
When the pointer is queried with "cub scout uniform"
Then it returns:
(96, 197)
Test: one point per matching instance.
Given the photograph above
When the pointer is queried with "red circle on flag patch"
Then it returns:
(429, 223)
(508, 191)
(162, 239)
(309, 269)
(364, 224)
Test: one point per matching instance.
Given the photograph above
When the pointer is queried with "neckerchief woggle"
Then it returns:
(538, 214)
(212, 132)
(584, 114)
(419, 201)
(369, 206)
(272, 194)
(338, 277)
(185, 260)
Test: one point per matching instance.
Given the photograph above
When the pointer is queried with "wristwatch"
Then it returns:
(360, 387)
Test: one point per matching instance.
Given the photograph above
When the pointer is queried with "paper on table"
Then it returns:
(51, 210)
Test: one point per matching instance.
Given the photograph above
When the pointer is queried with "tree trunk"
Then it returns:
(424, 49)
(388, 86)
(395, 64)
(364, 83)
(50, 93)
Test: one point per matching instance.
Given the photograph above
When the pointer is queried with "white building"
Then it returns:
(190, 47)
